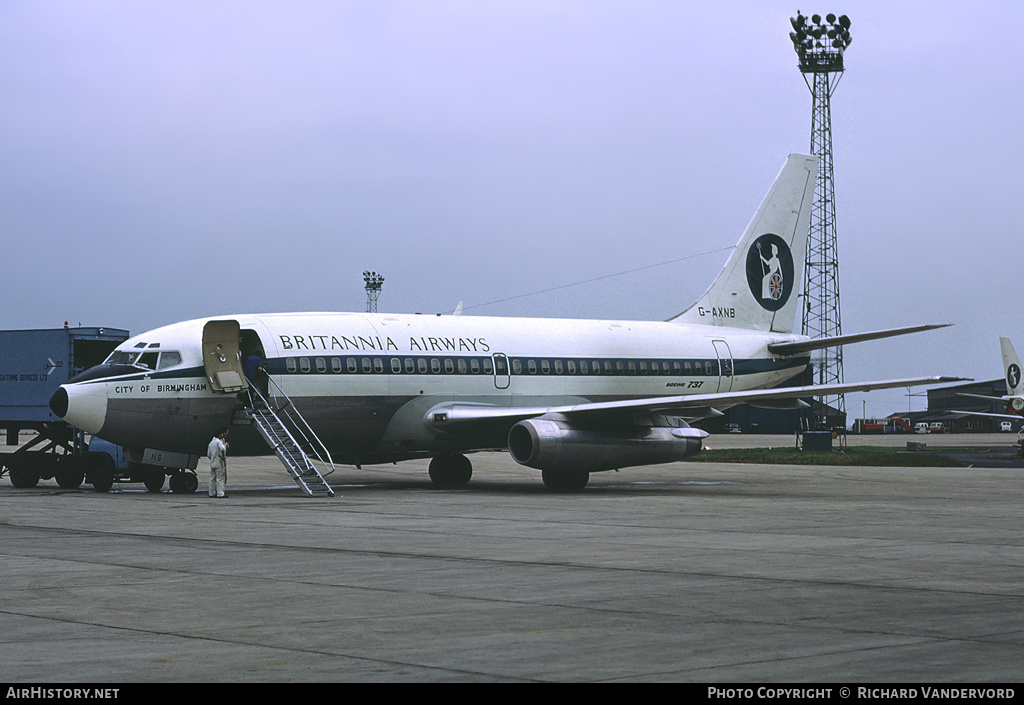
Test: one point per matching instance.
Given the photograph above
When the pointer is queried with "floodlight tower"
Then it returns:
(820, 44)
(373, 282)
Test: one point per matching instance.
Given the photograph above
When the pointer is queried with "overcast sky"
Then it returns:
(171, 160)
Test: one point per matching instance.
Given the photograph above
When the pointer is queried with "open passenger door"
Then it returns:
(220, 355)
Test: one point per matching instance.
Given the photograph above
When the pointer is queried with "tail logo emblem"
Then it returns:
(1013, 376)
(770, 271)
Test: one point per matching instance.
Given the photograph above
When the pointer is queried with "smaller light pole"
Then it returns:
(373, 282)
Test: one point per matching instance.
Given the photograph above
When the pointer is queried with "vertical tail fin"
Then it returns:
(1011, 366)
(759, 284)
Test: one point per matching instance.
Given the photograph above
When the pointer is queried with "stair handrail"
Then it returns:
(302, 426)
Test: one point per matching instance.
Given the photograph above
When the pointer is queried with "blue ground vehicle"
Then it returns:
(33, 364)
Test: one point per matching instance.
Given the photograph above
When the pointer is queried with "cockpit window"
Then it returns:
(151, 360)
(122, 357)
(169, 359)
(148, 360)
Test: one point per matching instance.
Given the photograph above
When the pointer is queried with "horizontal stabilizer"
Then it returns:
(801, 346)
(982, 396)
(1016, 417)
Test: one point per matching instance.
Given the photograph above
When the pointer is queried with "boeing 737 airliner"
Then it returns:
(568, 397)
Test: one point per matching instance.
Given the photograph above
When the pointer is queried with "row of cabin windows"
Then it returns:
(473, 365)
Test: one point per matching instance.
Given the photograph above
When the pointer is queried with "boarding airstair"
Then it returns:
(270, 420)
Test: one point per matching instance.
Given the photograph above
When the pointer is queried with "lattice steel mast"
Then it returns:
(373, 283)
(820, 46)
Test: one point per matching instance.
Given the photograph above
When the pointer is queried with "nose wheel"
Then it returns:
(184, 482)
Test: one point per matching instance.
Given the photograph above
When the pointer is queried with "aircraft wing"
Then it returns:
(455, 415)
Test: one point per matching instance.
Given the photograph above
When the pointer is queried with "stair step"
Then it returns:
(290, 454)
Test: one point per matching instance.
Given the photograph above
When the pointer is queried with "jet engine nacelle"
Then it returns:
(556, 445)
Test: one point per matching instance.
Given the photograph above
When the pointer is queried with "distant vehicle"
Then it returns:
(1005, 426)
(734, 428)
(920, 428)
(936, 428)
(891, 424)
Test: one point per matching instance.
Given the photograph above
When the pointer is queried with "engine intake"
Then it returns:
(556, 445)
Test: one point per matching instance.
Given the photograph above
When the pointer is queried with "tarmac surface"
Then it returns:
(690, 572)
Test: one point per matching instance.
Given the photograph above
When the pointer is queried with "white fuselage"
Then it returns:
(365, 381)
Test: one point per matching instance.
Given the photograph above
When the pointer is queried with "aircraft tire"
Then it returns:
(184, 482)
(572, 481)
(450, 471)
(153, 480)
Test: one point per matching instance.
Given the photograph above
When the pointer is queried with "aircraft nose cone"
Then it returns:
(81, 406)
(59, 402)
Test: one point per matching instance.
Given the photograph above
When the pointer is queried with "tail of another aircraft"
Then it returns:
(1011, 365)
(759, 284)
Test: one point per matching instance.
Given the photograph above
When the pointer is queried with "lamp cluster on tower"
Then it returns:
(820, 44)
(373, 283)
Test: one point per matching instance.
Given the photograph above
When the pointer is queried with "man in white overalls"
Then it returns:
(218, 455)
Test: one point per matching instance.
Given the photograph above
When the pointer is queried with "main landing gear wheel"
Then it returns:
(448, 471)
(566, 481)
